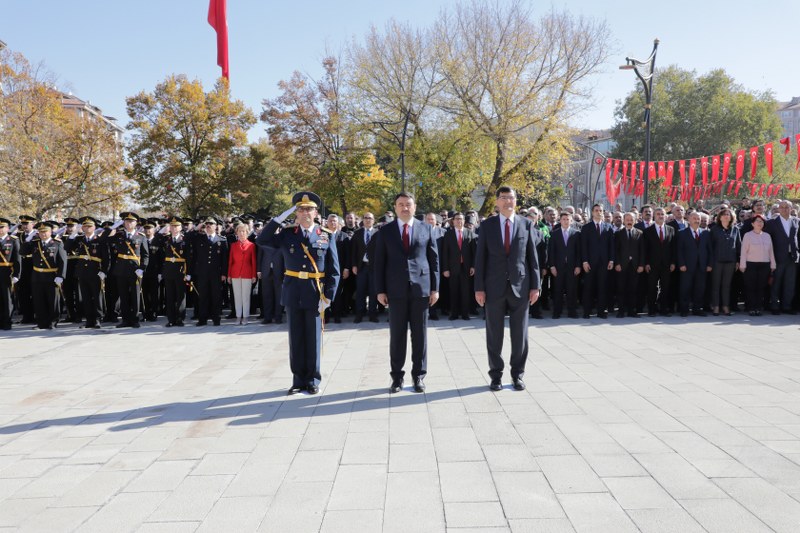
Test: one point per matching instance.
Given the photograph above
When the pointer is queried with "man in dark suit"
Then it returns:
(407, 280)
(783, 230)
(10, 266)
(362, 254)
(506, 279)
(131, 256)
(208, 270)
(340, 302)
(458, 262)
(629, 252)
(270, 265)
(659, 264)
(438, 232)
(597, 254)
(564, 262)
(694, 261)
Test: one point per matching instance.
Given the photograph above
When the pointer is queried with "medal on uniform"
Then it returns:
(291, 249)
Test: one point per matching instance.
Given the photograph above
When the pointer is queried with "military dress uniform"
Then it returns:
(72, 296)
(150, 281)
(173, 274)
(130, 254)
(312, 271)
(48, 264)
(91, 267)
(23, 288)
(10, 267)
(209, 263)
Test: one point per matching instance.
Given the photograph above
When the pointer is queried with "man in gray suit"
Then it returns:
(506, 279)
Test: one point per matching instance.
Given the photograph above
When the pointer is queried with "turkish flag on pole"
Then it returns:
(624, 174)
(218, 18)
(662, 169)
(692, 169)
(670, 173)
(753, 161)
(786, 143)
(714, 169)
(632, 182)
(726, 167)
(768, 157)
(739, 164)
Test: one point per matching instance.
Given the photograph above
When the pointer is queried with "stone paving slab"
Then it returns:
(645, 425)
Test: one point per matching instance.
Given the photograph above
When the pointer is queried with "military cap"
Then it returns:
(247, 218)
(26, 218)
(106, 224)
(471, 219)
(71, 220)
(129, 215)
(306, 199)
(210, 220)
(4, 222)
(148, 223)
(46, 224)
(89, 221)
(175, 221)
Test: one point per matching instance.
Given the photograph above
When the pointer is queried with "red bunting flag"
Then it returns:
(670, 173)
(624, 172)
(651, 171)
(682, 172)
(632, 181)
(726, 167)
(753, 161)
(739, 164)
(768, 157)
(641, 170)
(704, 170)
(738, 186)
(786, 142)
(763, 189)
(797, 144)
(714, 169)
(616, 170)
(218, 18)
(692, 170)
(662, 169)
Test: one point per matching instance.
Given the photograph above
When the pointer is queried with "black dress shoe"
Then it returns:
(621, 314)
(651, 314)
(602, 315)
(168, 325)
(699, 313)
(267, 321)
(684, 314)
(216, 322)
(374, 319)
(231, 315)
(419, 385)
(294, 389)
(279, 321)
(358, 319)
(453, 317)
(136, 325)
(397, 386)
(556, 316)
(122, 325)
(666, 314)
(203, 323)
(537, 316)
(180, 324)
(519, 384)
(465, 317)
(312, 389)
(573, 315)
(586, 315)
(775, 312)
(496, 385)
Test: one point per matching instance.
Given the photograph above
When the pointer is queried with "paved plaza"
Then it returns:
(650, 425)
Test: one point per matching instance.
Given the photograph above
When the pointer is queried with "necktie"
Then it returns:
(508, 237)
(598, 228)
(305, 234)
(629, 234)
(366, 236)
(406, 241)
(661, 234)
(566, 236)
(697, 236)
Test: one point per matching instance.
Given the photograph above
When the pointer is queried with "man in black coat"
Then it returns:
(152, 274)
(694, 261)
(659, 264)
(783, 229)
(90, 253)
(270, 265)
(564, 262)
(131, 256)
(458, 261)
(49, 266)
(341, 301)
(597, 254)
(174, 268)
(362, 255)
(628, 252)
(10, 267)
(208, 271)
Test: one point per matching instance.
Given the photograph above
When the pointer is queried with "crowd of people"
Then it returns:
(651, 260)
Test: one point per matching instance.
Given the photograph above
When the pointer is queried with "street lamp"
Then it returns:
(646, 77)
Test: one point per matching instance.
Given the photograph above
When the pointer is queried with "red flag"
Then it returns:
(768, 157)
(786, 142)
(726, 167)
(662, 169)
(797, 143)
(753, 161)
(769, 190)
(682, 172)
(218, 18)
(704, 170)
(670, 173)
(641, 170)
(624, 173)
(739, 164)
(730, 187)
(609, 192)
(715, 169)
(651, 171)
(692, 169)
(763, 188)
(631, 183)
(738, 186)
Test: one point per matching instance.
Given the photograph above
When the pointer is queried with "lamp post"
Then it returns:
(644, 71)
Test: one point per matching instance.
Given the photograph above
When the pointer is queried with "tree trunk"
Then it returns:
(499, 161)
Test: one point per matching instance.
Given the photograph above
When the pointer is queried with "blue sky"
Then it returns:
(105, 50)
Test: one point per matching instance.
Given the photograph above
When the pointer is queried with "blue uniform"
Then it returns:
(300, 295)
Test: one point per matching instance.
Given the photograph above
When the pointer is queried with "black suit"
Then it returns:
(130, 254)
(362, 255)
(457, 260)
(407, 278)
(565, 258)
(341, 301)
(694, 254)
(629, 254)
(209, 262)
(786, 256)
(438, 233)
(660, 255)
(507, 279)
(597, 249)
(10, 266)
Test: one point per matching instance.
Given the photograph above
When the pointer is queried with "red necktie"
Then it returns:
(661, 234)
(697, 236)
(460, 240)
(508, 237)
(406, 242)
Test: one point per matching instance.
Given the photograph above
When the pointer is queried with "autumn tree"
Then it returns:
(53, 162)
(516, 81)
(269, 185)
(183, 145)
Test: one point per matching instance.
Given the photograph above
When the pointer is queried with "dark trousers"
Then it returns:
(627, 285)
(129, 289)
(271, 296)
(175, 296)
(564, 282)
(517, 309)
(659, 293)
(209, 298)
(405, 313)
(89, 287)
(112, 298)
(72, 298)
(459, 292)
(24, 292)
(693, 289)
(150, 297)
(6, 305)
(783, 282)
(755, 284)
(721, 278)
(366, 297)
(45, 302)
(596, 286)
(305, 345)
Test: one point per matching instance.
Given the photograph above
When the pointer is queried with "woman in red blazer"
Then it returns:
(242, 272)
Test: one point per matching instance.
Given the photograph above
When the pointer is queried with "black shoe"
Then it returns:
(586, 315)
(789, 312)
(231, 315)
(633, 315)
(122, 325)
(203, 323)
(752, 313)
(666, 314)
(168, 325)
(312, 389)
(216, 322)
(419, 385)
(573, 315)
(136, 325)
(621, 314)
(453, 317)
(465, 317)
(519, 384)
(556, 316)
(602, 315)
(279, 321)
(496, 385)
(537, 316)
(776, 312)
(294, 389)
(397, 386)
(358, 319)
(180, 324)
(267, 321)
(374, 319)
(651, 314)
(433, 317)
(758, 313)
(699, 313)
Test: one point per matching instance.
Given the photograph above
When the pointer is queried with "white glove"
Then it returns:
(29, 238)
(283, 216)
(139, 272)
(14, 281)
(323, 304)
(101, 275)
(187, 277)
(117, 224)
(159, 278)
(72, 236)
(59, 281)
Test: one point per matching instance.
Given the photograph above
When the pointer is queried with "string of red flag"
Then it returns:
(710, 181)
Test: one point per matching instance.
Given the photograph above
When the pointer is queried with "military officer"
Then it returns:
(72, 297)
(26, 233)
(309, 284)
(90, 253)
(10, 266)
(208, 270)
(173, 273)
(131, 256)
(49, 266)
(151, 280)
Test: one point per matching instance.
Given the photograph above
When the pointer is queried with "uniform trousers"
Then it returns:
(305, 345)
(129, 289)
(45, 301)
(175, 297)
(89, 286)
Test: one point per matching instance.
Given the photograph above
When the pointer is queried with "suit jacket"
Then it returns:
(640, 225)
(452, 255)
(694, 253)
(597, 249)
(242, 261)
(657, 253)
(629, 251)
(784, 246)
(674, 225)
(358, 249)
(11, 262)
(209, 257)
(343, 242)
(396, 270)
(493, 268)
(565, 257)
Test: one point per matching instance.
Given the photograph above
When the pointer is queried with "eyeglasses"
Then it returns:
(369, 218)
(507, 198)
(305, 209)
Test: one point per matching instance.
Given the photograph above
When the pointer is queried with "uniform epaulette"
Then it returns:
(14, 237)
(326, 229)
(56, 239)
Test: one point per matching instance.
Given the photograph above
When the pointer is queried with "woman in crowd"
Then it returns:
(756, 262)
(726, 246)
(242, 272)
